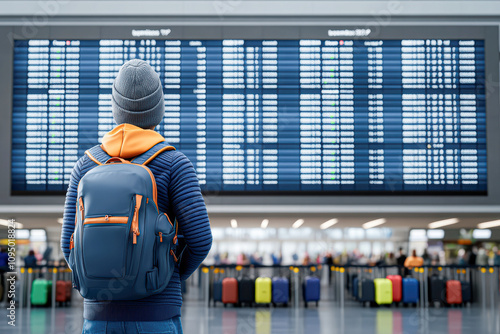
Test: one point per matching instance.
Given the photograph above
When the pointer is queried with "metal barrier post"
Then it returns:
(483, 287)
(206, 285)
(342, 271)
(30, 282)
(296, 286)
(425, 301)
(20, 294)
(54, 287)
(493, 293)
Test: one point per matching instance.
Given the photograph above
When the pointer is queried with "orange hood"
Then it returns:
(127, 141)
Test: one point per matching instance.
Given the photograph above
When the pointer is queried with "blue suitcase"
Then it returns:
(355, 288)
(466, 292)
(217, 291)
(410, 290)
(281, 290)
(311, 288)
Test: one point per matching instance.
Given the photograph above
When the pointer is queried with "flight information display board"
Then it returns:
(369, 116)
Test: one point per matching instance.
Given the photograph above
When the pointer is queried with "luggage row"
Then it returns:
(395, 289)
(263, 290)
(41, 292)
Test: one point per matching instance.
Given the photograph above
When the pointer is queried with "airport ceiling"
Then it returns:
(413, 220)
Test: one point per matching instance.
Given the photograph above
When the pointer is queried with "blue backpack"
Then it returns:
(123, 247)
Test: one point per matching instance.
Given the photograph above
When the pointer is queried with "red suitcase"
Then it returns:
(229, 290)
(69, 287)
(453, 292)
(61, 294)
(397, 287)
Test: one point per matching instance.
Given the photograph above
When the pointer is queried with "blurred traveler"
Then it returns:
(276, 259)
(401, 257)
(482, 257)
(496, 261)
(413, 261)
(30, 261)
(138, 106)
(307, 259)
(461, 261)
(426, 258)
(4, 260)
(472, 255)
(390, 260)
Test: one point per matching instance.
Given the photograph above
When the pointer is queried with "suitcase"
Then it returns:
(246, 291)
(61, 291)
(311, 289)
(466, 292)
(366, 291)
(281, 290)
(40, 291)
(453, 292)
(410, 290)
(229, 291)
(217, 291)
(263, 286)
(383, 291)
(397, 287)
(437, 289)
(355, 288)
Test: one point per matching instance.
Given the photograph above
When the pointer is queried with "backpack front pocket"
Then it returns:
(105, 240)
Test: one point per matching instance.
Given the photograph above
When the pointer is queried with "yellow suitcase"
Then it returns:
(263, 286)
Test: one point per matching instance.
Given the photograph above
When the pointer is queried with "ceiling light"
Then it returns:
(435, 234)
(234, 223)
(442, 223)
(264, 223)
(374, 223)
(493, 223)
(5, 222)
(328, 223)
(481, 234)
(298, 223)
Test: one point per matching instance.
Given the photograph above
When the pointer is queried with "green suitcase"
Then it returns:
(383, 291)
(40, 291)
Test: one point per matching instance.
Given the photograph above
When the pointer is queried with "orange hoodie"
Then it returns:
(127, 141)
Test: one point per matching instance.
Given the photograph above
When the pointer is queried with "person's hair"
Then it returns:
(414, 253)
(31, 252)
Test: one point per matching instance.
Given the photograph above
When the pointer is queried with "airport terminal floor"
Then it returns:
(326, 319)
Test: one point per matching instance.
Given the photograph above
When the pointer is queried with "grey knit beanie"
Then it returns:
(137, 96)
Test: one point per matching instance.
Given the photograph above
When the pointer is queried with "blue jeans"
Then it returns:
(170, 326)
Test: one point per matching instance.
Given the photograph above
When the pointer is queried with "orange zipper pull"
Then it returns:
(135, 219)
(81, 208)
(161, 236)
(71, 243)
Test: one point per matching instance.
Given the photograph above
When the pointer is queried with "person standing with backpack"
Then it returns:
(135, 222)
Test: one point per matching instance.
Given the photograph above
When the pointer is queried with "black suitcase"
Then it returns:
(217, 291)
(366, 291)
(437, 290)
(466, 292)
(246, 291)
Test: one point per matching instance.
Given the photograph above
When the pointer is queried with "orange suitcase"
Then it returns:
(229, 291)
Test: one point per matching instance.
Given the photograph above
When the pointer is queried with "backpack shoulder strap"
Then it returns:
(98, 155)
(153, 152)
